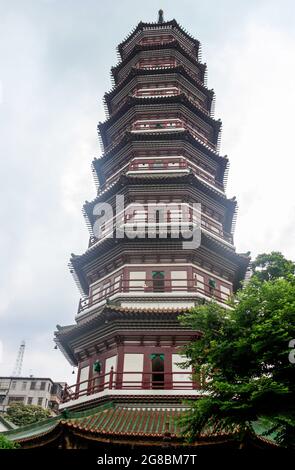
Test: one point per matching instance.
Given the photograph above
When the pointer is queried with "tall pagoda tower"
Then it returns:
(160, 144)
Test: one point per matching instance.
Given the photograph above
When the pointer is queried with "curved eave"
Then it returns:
(33, 431)
(107, 313)
(241, 261)
(207, 241)
(173, 45)
(64, 347)
(189, 179)
(110, 425)
(141, 25)
(177, 99)
(181, 135)
(141, 72)
(130, 137)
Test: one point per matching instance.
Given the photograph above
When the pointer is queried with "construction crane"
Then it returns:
(19, 360)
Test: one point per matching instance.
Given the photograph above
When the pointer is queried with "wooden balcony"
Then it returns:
(146, 288)
(128, 382)
(145, 229)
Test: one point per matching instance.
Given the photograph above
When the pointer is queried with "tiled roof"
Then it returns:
(120, 421)
(130, 422)
(134, 71)
(143, 25)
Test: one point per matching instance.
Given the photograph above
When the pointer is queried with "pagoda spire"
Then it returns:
(161, 16)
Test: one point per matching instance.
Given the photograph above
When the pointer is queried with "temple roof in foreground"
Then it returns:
(125, 424)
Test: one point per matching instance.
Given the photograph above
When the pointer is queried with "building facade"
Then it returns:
(31, 390)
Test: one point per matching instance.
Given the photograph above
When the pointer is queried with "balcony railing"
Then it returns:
(173, 226)
(159, 128)
(155, 93)
(155, 166)
(152, 286)
(130, 381)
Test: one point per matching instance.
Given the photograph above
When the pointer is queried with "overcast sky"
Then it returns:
(56, 57)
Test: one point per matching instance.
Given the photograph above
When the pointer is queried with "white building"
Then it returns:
(30, 391)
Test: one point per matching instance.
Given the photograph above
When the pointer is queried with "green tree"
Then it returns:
(21, 414)
(244, 354)
(7, 444)
(272, 266)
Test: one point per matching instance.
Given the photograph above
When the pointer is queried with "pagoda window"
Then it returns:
(158, 279)
(158, 369)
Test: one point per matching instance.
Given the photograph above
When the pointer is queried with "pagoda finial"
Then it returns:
(161, 16)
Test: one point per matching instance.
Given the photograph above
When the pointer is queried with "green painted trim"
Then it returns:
(90, 412)
(32, 426)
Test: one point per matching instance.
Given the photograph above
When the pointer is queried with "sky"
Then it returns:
(55, 60)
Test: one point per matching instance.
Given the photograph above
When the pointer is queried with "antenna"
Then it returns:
(19, 360)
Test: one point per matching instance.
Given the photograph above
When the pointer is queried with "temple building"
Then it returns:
(160, 149)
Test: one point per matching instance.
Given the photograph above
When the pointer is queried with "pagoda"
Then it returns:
(160, 147)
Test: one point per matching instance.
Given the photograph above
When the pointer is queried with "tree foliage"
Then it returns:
(21, 414)
(272, 266)
(242, 356)
(7, 444)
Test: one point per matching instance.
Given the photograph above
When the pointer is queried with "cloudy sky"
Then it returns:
(55, 58)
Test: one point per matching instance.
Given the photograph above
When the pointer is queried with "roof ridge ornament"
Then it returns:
(160, 16)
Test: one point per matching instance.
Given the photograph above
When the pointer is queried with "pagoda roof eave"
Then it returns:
(158, 47)
(134, 71)
(241, 261)
(113, 312)
(133, 180)
(181, 135)
(141, 25)
(64, 335)
(141, 425)
(207, 241)
(181, 99)
(63, 346)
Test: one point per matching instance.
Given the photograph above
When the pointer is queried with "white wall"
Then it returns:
(84, 375)
(176, 358)
(133, 363)
(27, 392)
(111, 362)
